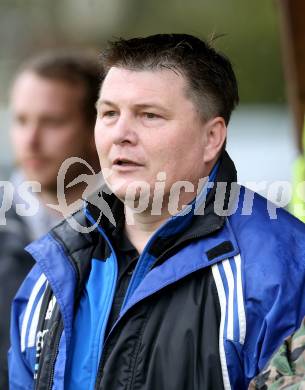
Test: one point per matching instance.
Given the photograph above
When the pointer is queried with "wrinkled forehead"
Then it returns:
(130, 83)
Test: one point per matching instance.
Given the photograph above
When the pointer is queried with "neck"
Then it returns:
(140, 227)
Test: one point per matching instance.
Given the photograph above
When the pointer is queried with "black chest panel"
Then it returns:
(170, 341)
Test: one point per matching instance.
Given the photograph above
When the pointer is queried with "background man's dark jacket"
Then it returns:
(15, 263)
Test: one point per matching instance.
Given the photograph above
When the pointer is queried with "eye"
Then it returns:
(151, 115)
(109, 114)
(54, 121)
(19, 120)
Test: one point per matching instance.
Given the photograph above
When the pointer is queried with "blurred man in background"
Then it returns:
(53, 106)
(53, 115)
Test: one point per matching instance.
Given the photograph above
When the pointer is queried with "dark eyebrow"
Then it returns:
(147, 106)
(140, 106)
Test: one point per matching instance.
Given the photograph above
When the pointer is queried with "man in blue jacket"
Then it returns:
(164, 280)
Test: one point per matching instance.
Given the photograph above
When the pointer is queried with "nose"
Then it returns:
(33, 135)
(124, 131)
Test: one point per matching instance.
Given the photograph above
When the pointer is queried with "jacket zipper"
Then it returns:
(54, 357)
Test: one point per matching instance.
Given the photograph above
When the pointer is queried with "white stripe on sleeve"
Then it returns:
(29, 307)
(230, 280)
(223, 308)
(240, 301)
(32, 333)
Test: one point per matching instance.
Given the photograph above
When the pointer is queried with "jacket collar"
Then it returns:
(201, 219)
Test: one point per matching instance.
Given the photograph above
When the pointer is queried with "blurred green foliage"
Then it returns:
(250, 28)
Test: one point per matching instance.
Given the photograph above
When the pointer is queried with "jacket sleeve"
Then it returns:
(286, 368)
(275, 307)
(21, 356)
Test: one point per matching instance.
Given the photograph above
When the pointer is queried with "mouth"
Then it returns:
(124, 162)
(124, 165)
(34, 161)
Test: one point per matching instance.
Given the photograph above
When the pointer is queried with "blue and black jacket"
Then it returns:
(212, 296)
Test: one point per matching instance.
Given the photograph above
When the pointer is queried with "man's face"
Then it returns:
(146, 125)
(48, 126)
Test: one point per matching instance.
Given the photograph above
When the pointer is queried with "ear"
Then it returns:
(215, 133)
